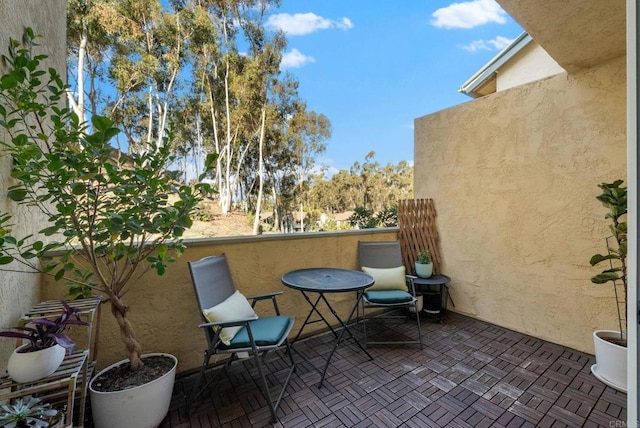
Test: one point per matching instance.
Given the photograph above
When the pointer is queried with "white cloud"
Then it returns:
(305, 23)
(295, 59)
(468, 14)
(476, 45)
(344, 24)
(498, 43)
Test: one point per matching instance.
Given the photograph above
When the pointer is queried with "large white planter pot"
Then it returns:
(144, 406)
(611, 360)
(26, 367)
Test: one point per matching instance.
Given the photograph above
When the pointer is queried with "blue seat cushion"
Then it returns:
(388, 297)
(266, 331)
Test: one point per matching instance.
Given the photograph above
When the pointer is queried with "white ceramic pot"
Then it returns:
(611, 360)
(418, 305)
(26, 367)
(144, 406)
(424, 270)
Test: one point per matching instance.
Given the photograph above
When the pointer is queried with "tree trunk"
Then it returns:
(256, 221)
(127, 335)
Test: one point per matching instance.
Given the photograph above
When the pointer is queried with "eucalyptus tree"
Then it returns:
(381, 186)
(90, 25)
(232, 86)
(148, 57)
(306, 134)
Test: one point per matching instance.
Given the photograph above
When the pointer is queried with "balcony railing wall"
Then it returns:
(164, 311)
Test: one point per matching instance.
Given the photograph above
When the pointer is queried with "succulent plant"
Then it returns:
(27, 412)
(424, 257)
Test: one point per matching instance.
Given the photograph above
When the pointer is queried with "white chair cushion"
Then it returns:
(234, 307)
(388, 278)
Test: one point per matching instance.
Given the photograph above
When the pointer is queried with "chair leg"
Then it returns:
(418, 322)
(364, 323)
(197, 390)
(273, 405)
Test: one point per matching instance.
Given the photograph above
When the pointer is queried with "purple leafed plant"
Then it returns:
(46, 333)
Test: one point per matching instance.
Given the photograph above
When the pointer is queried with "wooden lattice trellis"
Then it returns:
(418, 231)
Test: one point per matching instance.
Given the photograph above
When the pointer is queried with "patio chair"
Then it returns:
(231, 325)
(392, 291)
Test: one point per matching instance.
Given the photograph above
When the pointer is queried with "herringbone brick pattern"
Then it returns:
(469, 374)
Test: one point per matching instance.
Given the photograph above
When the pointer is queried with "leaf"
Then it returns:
(78, 189)
(49, 231)
(605, 277)
(5, 260)
(600, 258)
(101, 123)
(17, 195)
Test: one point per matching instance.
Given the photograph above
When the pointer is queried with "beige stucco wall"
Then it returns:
(18, 292)
(514, 177)
(164, 310)
(530, 64)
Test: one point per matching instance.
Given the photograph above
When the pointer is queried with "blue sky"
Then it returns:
(372, 67)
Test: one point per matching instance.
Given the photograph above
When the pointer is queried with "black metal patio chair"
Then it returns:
(392, 291)
(231, 325)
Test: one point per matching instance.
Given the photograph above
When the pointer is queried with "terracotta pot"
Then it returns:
(24, 367)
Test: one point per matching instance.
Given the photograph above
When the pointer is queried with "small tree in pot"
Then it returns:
(109, 216)
(611, 346)
(614, 198)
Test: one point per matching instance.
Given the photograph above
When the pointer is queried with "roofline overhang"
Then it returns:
(490, 69)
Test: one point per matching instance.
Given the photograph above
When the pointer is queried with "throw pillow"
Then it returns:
(234, 307)
(388, 278)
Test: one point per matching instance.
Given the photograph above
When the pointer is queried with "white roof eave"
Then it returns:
(490, 68)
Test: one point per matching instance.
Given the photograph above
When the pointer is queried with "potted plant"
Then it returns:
(424, 264)
(46, 346)
(29, 412)
(110, 216)
(610, 345)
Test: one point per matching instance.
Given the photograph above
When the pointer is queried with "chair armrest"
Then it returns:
(265, 296)
(271, 296)
(412, 288)
(230, 323)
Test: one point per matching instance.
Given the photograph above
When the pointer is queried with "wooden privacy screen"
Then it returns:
(418, 231)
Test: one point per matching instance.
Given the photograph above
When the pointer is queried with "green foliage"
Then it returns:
(363, 218)
(614, 198)
(26, 412)
(107, 214)
(424, 257)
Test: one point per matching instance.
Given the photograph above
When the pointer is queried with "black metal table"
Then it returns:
(433, 290)
(328, 280)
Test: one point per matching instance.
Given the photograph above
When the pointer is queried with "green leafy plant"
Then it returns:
(28, 412)
(110, 217)
(363, 218)
(614, 198)
(424, 257)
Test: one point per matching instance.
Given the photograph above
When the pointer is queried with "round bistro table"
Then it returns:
(321, 281)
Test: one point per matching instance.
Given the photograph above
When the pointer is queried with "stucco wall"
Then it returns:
(530, 64)
(18, 292)
(514, 177)
(164, 310)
